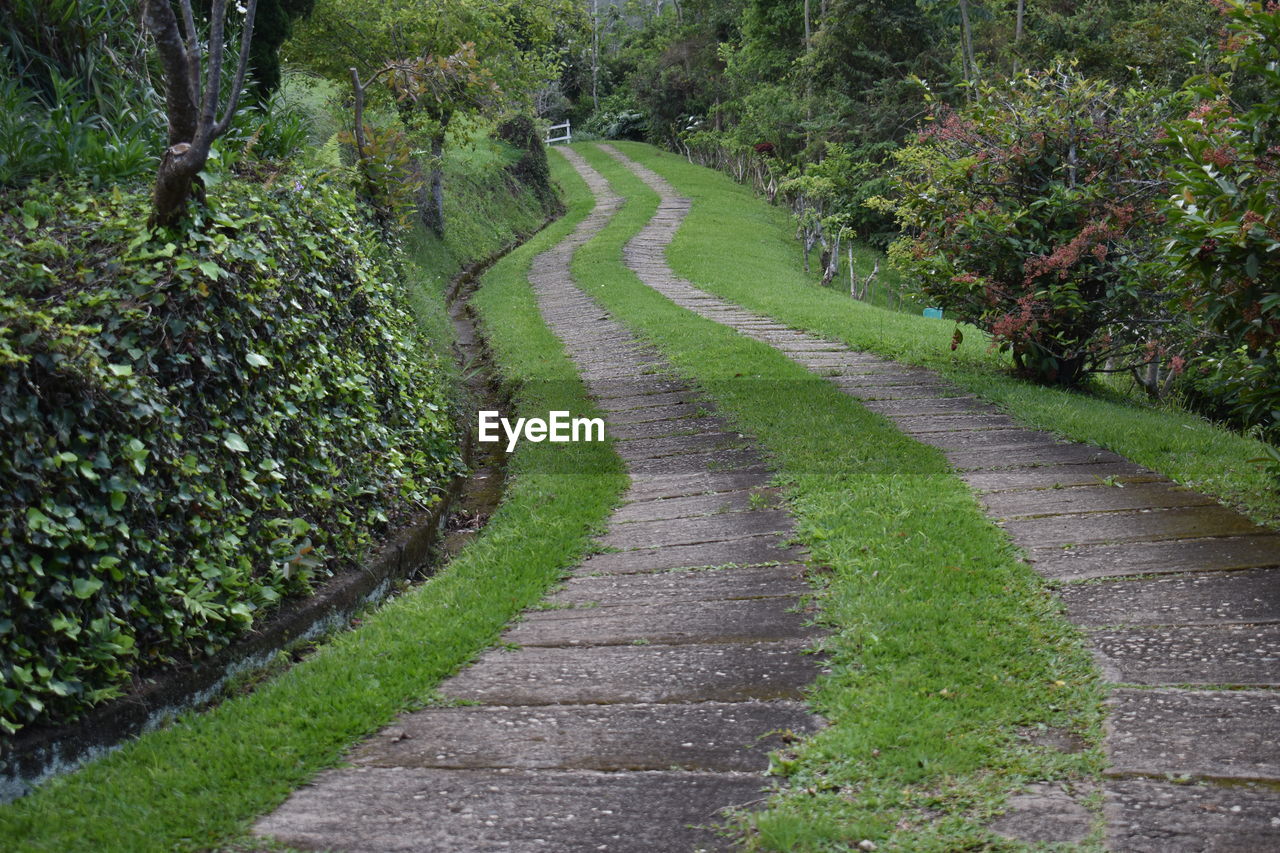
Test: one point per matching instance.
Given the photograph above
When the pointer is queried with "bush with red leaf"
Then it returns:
(1025, 214)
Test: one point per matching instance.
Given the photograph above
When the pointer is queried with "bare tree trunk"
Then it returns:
(191, 103)
(359, 114)
(833, 261)
(595, 53)
(1017, 35)
(966, 47)
(436, 219)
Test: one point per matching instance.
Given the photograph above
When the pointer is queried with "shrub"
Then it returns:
(1224, 223)
(192, 427)
(1026, 213)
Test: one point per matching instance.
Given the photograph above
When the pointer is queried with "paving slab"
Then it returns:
(921, 391)
(687, 585)
(691, 531)
(692, 463)
(644, 401)
(1000, 439)
(623, 433)
(651, 486)
(1138, 526)
(968, 405)
(1214, 734)
(1054, 454)
(652, 448)
(689, 506)
(1194, 555)
(637, 387)
(953, 422)
(753, 551)
(1222, 655)
(731, 672)
(1059, 476)
(655, 413)
(512, 811)
(704, 736)
(1045, 814)
(1148, 816)
(744, 620)
(1217, 598)
(850, 375)
(1077, 499)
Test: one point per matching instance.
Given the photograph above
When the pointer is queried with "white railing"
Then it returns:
(551, 138)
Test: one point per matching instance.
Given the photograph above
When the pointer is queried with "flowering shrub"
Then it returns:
(191, 430)
(1224, 222)
(1024, 213)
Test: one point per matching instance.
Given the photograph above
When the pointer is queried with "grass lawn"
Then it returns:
(944, 647)
(740, 248)
(200, 782)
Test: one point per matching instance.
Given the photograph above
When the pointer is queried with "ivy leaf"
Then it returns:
(117, 501)
(256, 360)
(212, 270)
(85, 587)
(234, 442)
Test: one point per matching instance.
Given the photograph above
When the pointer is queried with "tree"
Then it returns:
(191, 100)
(433, 53)
(438, 87)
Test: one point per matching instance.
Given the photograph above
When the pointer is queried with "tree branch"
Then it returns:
(213, 82)
(193, 51)
(237, 84)
(181, 106)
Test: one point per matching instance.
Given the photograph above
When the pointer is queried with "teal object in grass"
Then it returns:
(935, 313)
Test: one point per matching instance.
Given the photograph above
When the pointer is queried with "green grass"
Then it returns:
(943, 645)
(200, 782)
(740, 248)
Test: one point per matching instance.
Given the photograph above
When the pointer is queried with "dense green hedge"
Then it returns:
(192, 427)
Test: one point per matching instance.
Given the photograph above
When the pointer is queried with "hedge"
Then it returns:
(193, 426)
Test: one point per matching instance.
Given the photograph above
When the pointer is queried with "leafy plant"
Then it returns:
(1027, 213)
(1224, 228)
(189, 433)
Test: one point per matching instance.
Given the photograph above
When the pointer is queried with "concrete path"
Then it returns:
(1182, 607)
(645, 698)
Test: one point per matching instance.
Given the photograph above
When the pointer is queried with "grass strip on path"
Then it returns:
(202, 780)
(738, 247)
(945, 648)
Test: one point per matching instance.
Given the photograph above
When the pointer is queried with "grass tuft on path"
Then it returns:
(945, 649)
(740, 248)
(200, 782)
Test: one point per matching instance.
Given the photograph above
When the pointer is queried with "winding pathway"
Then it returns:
(1181, 608)
(645, 696)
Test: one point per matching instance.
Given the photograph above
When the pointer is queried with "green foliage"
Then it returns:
(74, 93)
(618, 118)
(1224, 228)
(194, 425)
(512, 39)
(392, 181)
(1027, 214)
